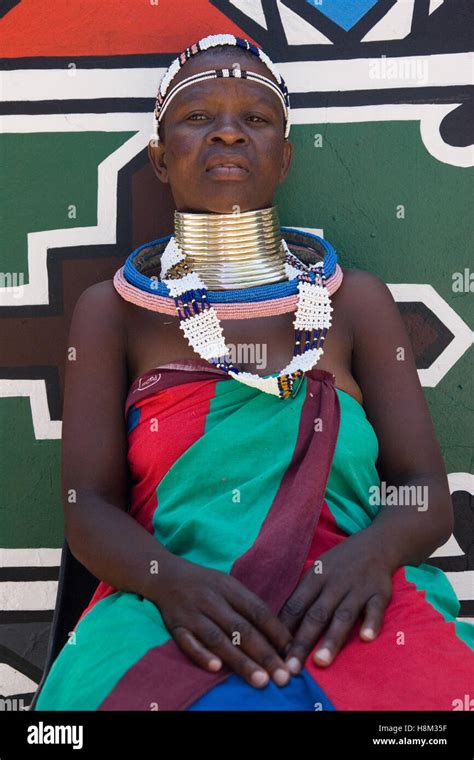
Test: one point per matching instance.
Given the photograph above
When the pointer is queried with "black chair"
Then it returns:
(76, 587)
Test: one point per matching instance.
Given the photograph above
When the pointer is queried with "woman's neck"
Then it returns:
(231, 251)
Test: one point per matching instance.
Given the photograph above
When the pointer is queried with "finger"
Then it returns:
(243, 634)
(257, 612)
(295, 607)
(373, 616)
(219, 643)
(193, 648)
(316, 619)
(342, 622)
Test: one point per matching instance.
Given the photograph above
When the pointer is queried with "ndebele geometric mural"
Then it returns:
(380, 95)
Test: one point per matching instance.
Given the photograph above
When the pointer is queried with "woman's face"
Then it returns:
(219, 121)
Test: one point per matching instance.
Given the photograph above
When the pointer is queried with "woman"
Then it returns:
(234, 517)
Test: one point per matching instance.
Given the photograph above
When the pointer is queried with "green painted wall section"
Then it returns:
(30, 501)
(48, 172)
(351, 187)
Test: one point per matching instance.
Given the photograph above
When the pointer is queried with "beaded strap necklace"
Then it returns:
(197, 308)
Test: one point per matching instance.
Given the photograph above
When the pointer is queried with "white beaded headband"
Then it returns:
(165, 94)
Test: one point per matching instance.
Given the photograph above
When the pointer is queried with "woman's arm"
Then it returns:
(201, 607)
(409, 453)
(94, 470)
(355, 576)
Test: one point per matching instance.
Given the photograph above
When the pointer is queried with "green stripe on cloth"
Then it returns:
(214, 499)
(441, 595)
(353, 469)
(109, 640)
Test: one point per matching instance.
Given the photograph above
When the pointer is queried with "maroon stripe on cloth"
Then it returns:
(271, 567)
(168, 375)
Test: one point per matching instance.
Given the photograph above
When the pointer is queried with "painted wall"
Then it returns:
(383, 155)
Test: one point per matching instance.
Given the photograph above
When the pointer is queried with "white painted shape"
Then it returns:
(44, 427)
(461, 481)
(434, 5)
(14, 682)
(432, 140)
(298, 31)
(253, 9)
(356, 73)
(30, 557)
(28, 595)
(57, 84)
(395, 25)
(450, 548)
(462, 583)
(463, 336)
(300, 76)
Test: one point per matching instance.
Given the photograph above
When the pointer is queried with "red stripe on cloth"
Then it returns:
(178, 396)
(428, 671)
(271, 567)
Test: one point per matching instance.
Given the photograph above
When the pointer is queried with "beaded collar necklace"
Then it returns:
(312, 278)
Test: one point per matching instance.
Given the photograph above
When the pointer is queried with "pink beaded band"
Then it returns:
(224, 310)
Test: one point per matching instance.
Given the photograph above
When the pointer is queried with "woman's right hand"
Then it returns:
(215, 619)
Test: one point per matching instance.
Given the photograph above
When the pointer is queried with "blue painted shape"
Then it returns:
(345, 14)
(300, 693)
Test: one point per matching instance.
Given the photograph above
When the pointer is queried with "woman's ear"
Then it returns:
(156, 154)
(287, 157)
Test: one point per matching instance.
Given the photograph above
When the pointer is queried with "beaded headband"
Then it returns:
(165, 94)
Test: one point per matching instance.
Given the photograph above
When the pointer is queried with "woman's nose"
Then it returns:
(227, 129)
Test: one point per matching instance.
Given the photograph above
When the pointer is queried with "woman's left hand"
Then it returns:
(353, 578)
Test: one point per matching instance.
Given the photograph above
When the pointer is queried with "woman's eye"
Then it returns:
(198, 114)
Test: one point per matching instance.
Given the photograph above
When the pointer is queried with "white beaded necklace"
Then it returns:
(203, 328)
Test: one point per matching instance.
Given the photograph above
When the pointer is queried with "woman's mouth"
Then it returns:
(228, 171)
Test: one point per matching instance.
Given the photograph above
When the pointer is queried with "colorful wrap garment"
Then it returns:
(237, 480)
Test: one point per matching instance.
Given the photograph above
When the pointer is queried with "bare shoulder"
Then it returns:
(102, 296)
(100, 305)
(363, 294)
(363, 290)
(362, 278)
